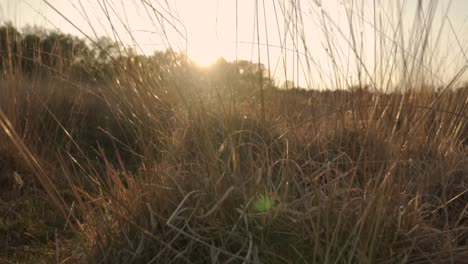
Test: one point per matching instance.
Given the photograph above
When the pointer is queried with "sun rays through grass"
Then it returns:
(111, 156)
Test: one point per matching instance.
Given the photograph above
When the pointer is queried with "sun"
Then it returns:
(204, 59)
(204, 51)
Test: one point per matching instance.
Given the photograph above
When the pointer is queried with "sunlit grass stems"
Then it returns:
(333, 187)
(159, 161)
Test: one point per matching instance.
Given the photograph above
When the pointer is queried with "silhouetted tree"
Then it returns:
(9, 38)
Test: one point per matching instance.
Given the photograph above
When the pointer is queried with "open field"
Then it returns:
(153, 159)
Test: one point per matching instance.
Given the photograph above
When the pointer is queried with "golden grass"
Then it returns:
(155, 164)
(350, 182)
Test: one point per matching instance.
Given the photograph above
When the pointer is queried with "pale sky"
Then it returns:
(206, 29)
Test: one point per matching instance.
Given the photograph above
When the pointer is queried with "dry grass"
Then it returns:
(348, 183)
(143, 170)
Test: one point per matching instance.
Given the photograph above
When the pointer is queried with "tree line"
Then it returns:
(36, 52)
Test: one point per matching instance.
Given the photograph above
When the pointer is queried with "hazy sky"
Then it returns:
(310, 44)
